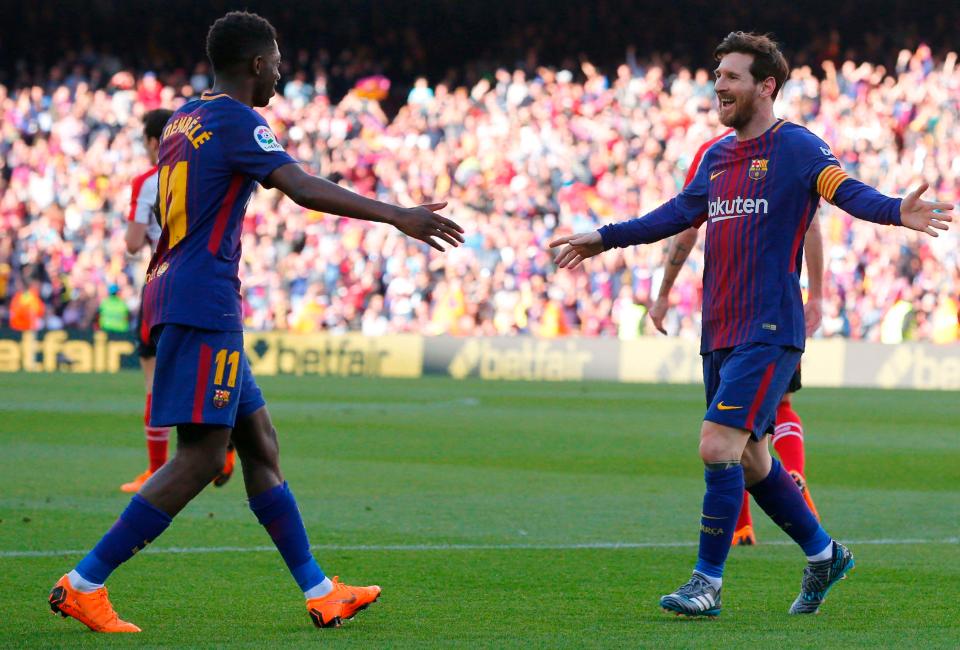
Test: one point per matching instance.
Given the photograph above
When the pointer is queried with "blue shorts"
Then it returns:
(202, 377)
(744, 384)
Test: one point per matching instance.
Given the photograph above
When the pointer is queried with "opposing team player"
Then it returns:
(213, 152)
(788, 427)
(143, 229)
(758, 190)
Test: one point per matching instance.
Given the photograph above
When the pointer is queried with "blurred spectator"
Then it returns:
(114, 315)
(421, 94)
(27, 309)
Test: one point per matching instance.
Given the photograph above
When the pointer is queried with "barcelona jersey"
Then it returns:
(213, 151)
(758, 198)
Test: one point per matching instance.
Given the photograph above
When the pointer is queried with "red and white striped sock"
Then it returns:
(788, 438)
(158, 438)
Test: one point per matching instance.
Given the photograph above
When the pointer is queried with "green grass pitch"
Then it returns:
(489, 513)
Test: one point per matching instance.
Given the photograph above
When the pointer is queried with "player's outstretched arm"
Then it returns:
(864, 202)
(680, 247)
(674, 216)
(924, 216)
(319, 194)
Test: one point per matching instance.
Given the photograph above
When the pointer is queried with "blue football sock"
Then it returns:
(721, 507)
(277, 511)
(138, 525)
(780, 498)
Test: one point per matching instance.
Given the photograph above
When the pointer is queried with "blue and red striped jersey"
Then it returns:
(757, 197)
(212, 152)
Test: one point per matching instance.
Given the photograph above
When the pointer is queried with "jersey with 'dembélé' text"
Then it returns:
(213, 152)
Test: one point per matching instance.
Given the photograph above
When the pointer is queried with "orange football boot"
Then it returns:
(227, 470)
(92, 609)
(137, 483)
(805, 491)
(341, 604)
(744, 537)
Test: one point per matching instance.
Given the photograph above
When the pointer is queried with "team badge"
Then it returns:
(221, 398)
(758, 168)
(266, 139)
(163, 269)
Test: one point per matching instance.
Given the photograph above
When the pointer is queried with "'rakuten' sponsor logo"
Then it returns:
(739, 207)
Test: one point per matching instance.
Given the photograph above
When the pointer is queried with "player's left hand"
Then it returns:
(924, 216)
(812, 315)
(577, 248)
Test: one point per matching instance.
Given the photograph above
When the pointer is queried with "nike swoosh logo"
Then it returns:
(724, 218)
(715, 174)
(727, 407)
(709, 517)
(346, 601)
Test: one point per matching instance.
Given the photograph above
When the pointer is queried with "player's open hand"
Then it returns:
(577, 248)
(657, 312)
(423, 223)
(925, 216)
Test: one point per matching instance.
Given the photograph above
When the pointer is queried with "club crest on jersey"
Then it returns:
(758, 168)
(221, 398)
(265, 139)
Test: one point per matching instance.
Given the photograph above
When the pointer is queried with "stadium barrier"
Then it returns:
(345, 355)
(828, 363)
(521, 357)
(69, 351)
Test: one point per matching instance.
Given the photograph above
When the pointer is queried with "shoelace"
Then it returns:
(812, 583)
(339, 587)
(695, 585)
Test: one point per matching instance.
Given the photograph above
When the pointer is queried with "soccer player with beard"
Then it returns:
(787, 427)
(213, 152)
(758, 190)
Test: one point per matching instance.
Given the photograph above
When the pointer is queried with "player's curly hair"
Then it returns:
(237, 37)
(768, 60)
(154, 121)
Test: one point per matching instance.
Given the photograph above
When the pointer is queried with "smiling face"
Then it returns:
(738, 93)
(267, 70)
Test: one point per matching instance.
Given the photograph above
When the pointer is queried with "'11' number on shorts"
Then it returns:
(225, 357)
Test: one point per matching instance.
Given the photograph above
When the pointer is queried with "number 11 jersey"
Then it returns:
(212, 153)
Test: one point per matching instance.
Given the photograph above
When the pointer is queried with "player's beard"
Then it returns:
(742, 112)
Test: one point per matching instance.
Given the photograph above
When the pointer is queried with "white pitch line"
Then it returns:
(471, 547)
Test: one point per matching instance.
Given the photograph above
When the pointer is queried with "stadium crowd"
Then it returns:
(521, 156)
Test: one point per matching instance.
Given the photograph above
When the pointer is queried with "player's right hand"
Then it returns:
(577, 248)
(423, 223)
(657, 312)
(812, 315)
